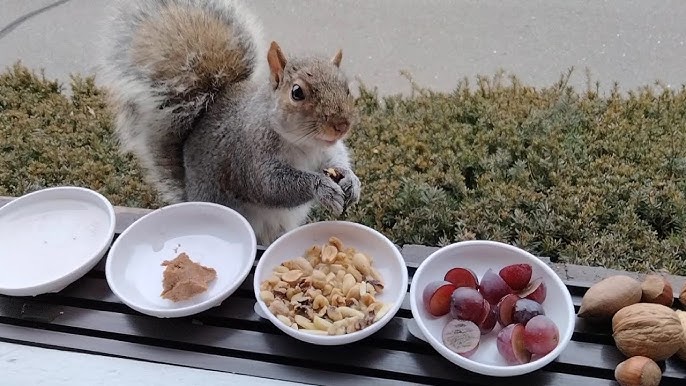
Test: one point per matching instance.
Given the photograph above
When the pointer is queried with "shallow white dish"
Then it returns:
(387, 260)
(480, 255)
(52, 237)
(211, 235)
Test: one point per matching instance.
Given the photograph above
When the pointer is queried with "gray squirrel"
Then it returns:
(214, 114)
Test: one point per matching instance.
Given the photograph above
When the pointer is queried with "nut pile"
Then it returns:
(331, 290)
(645, 326)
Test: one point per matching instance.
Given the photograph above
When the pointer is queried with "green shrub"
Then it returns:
(48, 139)
(577, 176)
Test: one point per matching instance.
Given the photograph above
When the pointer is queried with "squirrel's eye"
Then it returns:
(297, 93)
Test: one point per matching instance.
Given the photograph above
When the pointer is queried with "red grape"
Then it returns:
(510, 343)
(541, 335)
(516, 276)
(467, 304)
(493, 287)
(462, 277)
(461, 337)
(506, 309)
(536, 291)
(509, 297)
(525, 309)
(488, 322)
(436, 297)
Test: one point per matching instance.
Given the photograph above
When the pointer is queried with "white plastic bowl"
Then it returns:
(52, 237)
(212, 235)
(387, 260)
(480, 255)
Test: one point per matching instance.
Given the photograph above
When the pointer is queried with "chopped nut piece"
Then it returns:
(352, 302)
(291, 276)
(322, 324)
(278, 307)
(378, 286)
(267, 296)
(333, 313)
(348, 283)
(354, 292)
(338, 300)
(330, 290)
(329, 254)
(361, 263)
(320, 301)
(367, 299)
(291, 292)
(284, 320)
(333, 174)
(347, 312)
(355, 273)
(304, 322)
(313, 251)
(336, 242)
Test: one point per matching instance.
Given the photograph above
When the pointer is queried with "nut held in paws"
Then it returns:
(334, 174)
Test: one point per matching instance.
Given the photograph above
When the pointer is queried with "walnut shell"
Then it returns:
(610, 295)
(638, 371)
(647, 329)
(682, 351)
(682, 295)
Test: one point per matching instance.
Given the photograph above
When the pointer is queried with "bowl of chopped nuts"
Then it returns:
(330, 282)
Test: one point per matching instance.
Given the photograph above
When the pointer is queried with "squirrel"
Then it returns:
(214, 114)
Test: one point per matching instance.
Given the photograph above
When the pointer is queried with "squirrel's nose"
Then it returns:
(341, 126)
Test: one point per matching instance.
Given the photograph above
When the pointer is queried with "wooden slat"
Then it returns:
(238, 310)
(96, 289)
(179, 334)
(110, 347)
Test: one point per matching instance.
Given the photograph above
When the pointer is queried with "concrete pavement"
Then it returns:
(633, 42)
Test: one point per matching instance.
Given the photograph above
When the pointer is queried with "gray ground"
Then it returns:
(633, 42)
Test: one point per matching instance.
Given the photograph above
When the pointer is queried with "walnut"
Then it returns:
(647, 329)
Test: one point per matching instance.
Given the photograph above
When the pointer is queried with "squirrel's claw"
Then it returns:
(351, 186)
(330, 196)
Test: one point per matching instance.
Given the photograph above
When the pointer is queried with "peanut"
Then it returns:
(329, 290)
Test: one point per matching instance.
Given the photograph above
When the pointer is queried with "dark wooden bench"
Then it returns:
(87, 317)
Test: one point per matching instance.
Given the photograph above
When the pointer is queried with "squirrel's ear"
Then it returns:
(277, 62)
(337, 58)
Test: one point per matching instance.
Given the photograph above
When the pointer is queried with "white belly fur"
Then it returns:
(270, 223)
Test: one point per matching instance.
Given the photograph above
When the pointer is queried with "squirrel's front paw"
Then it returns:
(330, 195)
(348, 181)
(351, 187)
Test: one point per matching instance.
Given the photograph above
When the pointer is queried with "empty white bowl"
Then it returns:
(210, 234)
(51, 237)
(479, 256)
(386, 259)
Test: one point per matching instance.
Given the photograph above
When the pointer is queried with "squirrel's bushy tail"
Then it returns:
(164, 63)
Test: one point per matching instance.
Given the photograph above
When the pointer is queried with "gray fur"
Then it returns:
(245, 146)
